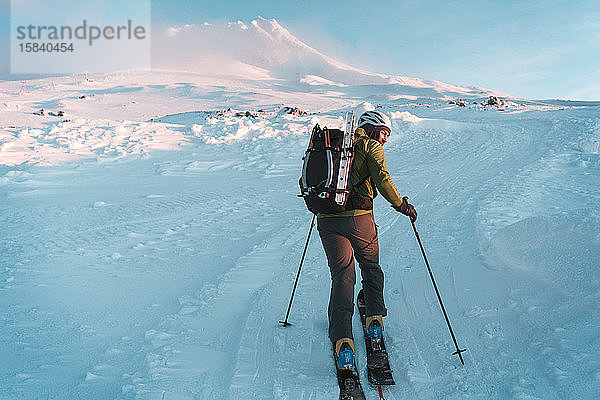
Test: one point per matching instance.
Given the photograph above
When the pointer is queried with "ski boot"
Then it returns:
(344, 355)
(347, 373)
(375, 331)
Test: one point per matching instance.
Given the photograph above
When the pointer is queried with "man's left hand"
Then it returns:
(407, 209)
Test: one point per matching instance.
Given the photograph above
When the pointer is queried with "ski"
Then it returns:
(341, 191)
(378, 364)
(349, 383)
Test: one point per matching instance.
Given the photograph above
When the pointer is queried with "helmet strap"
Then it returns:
(370, 131)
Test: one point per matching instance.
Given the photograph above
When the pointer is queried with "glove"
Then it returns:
(407, 209)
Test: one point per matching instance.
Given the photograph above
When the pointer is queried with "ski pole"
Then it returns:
(437, 292)
(312, 224)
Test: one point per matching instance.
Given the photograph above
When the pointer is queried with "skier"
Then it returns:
(353, 234)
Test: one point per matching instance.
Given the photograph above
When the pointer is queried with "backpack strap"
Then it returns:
(366, 178)
(362, 181)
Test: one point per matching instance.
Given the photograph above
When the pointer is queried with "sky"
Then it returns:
(529, 49)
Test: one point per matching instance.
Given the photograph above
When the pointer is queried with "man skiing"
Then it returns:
(353, 234)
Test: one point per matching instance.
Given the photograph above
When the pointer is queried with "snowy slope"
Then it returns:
(150, 236)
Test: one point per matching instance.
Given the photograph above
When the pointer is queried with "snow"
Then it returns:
(404, 116)
(151, 236)
(71, 140)
(317, 80)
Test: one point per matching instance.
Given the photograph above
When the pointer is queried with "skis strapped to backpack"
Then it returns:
(378, 365)
(325, 183)
(347, 156)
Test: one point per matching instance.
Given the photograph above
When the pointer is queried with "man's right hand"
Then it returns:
(407, 209)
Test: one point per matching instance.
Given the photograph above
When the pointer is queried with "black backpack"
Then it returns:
(325, 182)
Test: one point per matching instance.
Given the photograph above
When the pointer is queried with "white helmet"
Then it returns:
(374, 118)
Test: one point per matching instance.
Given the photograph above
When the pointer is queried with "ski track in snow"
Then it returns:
(203, 312)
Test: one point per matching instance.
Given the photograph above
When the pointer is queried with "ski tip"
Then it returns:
(284, 323)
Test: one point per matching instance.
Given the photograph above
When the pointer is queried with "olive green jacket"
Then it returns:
(369, 160)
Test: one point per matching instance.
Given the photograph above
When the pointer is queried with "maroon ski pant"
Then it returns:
(346, 238)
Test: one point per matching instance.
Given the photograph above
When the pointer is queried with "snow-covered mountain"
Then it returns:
(150, 231)
(264, 49)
